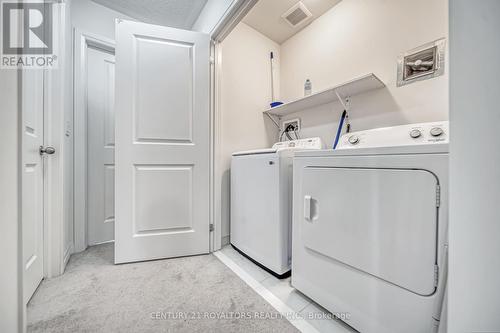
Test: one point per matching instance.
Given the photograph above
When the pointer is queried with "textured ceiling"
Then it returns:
(173, 13)
(265, 17)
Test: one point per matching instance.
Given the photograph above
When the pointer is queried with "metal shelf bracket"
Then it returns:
(345, 101)
(276, 123)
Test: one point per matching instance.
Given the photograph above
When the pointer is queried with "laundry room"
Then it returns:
(250, 166)
(303, 108)
(340, 42)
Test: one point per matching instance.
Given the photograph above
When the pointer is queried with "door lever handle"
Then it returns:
(47, 150)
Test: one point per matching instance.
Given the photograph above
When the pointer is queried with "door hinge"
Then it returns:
(436, 275)
(438, 196)
(211, 227)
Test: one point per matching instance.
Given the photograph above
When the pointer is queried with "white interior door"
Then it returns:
(32, 180)
(100, 146)
(162, 142)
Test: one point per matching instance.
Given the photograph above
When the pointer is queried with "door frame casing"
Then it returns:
(55, 102)
(82, 41)
(234, 15)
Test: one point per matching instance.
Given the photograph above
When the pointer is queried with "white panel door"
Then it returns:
(32, 180)
(162, 142)
(100, 146)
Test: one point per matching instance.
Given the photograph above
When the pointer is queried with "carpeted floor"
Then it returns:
(192, 294)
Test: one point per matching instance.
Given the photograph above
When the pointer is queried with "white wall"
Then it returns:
(245, 93)
(474, 289)
(93, 18)
(211, 14)
(9, 201)
(357, 37)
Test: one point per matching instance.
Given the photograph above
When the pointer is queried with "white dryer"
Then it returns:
(370, 227)
(261, 198)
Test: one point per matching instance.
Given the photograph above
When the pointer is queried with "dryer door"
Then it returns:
(379, 221)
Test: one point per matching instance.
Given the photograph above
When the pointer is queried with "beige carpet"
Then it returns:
(192, 294)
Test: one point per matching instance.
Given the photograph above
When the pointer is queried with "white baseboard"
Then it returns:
(225, 241)
(67, 255)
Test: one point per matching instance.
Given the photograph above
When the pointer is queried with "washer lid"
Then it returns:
(256, 151)
(301, 144)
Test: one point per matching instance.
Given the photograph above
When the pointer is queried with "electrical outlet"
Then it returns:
(294, 122)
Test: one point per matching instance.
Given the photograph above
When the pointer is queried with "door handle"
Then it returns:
(47, 150)
(310, 208)
(307, 207)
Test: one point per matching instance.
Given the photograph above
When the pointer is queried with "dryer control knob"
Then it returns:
(415, 133)
(436, 131)
(353, 139)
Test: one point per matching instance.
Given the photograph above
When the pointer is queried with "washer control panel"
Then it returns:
(404, 135)
(310, 143)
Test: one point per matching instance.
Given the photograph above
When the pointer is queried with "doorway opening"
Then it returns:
(94, 140)
(100, 146)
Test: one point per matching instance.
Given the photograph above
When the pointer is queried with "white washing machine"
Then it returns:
(370, 227)
(261, 197)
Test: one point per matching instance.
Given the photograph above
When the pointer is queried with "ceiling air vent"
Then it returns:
(297, 15)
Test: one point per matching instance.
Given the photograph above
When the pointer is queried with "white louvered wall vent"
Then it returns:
(297, 15)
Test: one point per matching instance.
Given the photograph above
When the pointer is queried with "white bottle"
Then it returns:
(307, 88)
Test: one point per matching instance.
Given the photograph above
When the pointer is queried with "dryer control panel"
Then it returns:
(404, 135)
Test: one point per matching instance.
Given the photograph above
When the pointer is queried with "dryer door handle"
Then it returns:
(307, 207)
(311, 208)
